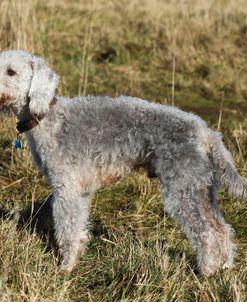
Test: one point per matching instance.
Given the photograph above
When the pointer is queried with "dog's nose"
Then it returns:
(4, 99)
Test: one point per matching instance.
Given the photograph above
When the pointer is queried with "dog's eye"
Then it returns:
(11, 72)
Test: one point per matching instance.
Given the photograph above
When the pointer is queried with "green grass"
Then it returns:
(191, 53)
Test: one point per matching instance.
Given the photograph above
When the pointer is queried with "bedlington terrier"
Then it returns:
(83, 143)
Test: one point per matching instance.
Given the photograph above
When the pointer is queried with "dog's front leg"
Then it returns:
(70, 214)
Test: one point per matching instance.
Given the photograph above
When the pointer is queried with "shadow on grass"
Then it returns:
(36, 218)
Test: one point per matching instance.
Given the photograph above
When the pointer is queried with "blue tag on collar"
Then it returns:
(18, 143)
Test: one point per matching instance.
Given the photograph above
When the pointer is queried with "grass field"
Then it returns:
(192, 54)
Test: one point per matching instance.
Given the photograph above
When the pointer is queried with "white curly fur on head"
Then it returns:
(27, 84)
(43, 86)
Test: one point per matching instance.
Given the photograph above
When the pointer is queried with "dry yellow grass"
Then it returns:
(192, 53)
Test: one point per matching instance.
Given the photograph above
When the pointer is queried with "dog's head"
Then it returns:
(26, 81)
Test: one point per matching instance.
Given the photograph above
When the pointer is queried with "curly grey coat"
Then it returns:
(85, 142)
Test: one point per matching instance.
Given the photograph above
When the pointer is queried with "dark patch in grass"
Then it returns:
(203, 70)
(107, 55)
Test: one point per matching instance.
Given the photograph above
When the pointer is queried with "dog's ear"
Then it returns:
(42, 87)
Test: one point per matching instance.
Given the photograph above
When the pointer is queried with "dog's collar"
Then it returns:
(26, 125)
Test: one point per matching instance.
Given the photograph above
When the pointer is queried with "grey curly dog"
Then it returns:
(83, 143)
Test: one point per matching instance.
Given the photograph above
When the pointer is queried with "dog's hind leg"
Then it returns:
(70, 214)
(214, 210)
(192, 201)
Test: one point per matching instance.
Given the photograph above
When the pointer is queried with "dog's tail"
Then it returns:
(230, 178)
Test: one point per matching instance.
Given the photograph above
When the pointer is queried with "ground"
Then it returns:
(191, 54)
